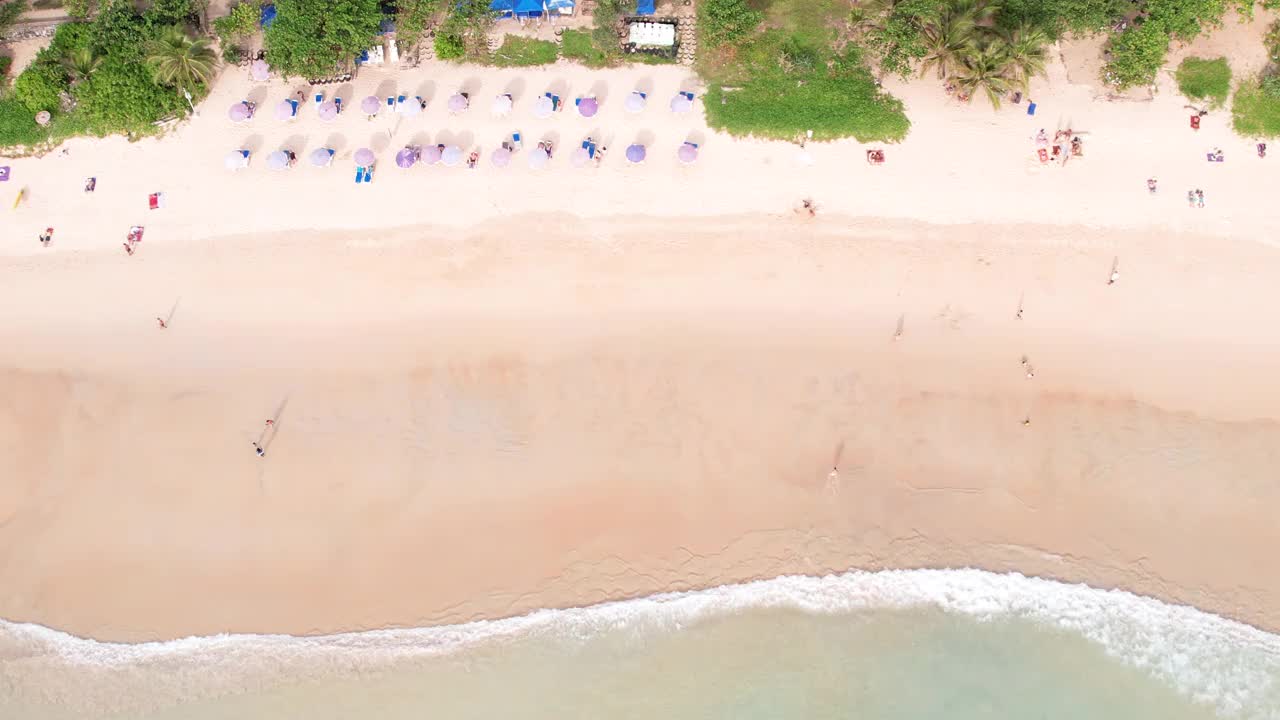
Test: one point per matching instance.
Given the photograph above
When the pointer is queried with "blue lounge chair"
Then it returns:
(694, 145)
(590, 147)
(390, 101)
(643, 95)
(555, 101)
(688, 95)
(515, 140)
(359, 175)
(319, 98)
(338, 101)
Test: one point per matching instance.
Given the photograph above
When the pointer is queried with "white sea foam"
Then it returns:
(1234, 667)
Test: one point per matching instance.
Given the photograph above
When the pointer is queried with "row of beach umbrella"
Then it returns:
(544, 106)
(451, 156)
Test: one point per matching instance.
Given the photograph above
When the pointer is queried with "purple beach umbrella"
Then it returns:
(681, 104)
(236, 159)
(238, 112)
(502, 105)
(278, 160)
(635, 103)
(687, 153)
(538, 158)
(635, 153)
(457, 103)
(407, 157)
(259, 70)
(451, 156)
(580, 157)
(286, 109)
(364, 157)
(321, 157)
(431, 155)
(588, 107)
(543, 107)
(328, 110)
(501, 157)
(371, 105)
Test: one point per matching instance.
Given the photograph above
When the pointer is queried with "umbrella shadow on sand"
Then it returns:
(386, 88)
(515, 88)
(253, 143)
(426, 90)
(294, 143)
(600, 90)
(420, 139)
(644, 137)
(336, 142)
(257, 95)
(379, 142)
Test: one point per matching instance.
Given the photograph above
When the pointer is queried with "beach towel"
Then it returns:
(4, 173)
(91, 184)
(1044, 155)
(155, 201)
(1195, 122)
(1031, 108)
(135, 234)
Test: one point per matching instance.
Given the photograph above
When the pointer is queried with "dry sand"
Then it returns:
(482, 408)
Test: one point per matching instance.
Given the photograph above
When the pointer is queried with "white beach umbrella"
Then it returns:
(580, 157)
(236, 159)
(501, 157)
(259, 70)
(458, 102)
(543, 107)
(321, 157)
(278, 160)
(502, 105)
(635, 103)
(681, 104)
(538, 158)
(451, 156)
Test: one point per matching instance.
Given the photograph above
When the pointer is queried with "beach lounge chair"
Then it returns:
(516, 143)
(319, 98)
(359, 175)
(687, 95)
(590, 147)
(1031, 108)
(555, 101)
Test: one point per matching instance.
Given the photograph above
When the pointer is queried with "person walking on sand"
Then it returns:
(270, 422)
(160, 321)
(258, 449)
(46, 237)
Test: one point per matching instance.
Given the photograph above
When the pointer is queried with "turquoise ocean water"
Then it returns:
(924, 645)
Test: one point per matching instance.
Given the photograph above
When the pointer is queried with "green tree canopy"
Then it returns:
(313, 38)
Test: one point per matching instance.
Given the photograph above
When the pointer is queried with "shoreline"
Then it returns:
(616, 416)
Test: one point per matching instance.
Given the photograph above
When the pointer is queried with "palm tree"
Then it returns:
(1024, 48)
(948, 39)
(179, 60)
(79, 64)
(987, 70)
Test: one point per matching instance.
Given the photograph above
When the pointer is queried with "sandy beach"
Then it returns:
(495, 390)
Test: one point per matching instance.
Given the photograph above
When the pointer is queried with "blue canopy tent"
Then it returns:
(505, 8)
(268, 15)
(529, 8)
(644, 7)
(560, 7)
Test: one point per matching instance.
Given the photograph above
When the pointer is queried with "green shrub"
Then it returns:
(1255, 110)
(41, 84)
(1185, 19)
(121, 96)
(1137, 54)
(18, 124)
(1207, 80)
(240, 22)
(70, 37)
(524, 52)
(6, 62)
(119, 30)
(10, 11)
(411, 21)
(1270, 85)
(450, 45)
(724, 21)
(80, 9)
(232, 54)
(842, 100)
(581, 46)
(314, 38)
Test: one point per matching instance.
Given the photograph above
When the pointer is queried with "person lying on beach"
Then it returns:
(600, 151)
(46, 237)
(472, 159)
(91, 184)
(1151, 185)
(1042, 140)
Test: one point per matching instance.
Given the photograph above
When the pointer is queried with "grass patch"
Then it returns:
(1206, 80)
(18, 124)
(1255, 109)
(46, 4)
(785, 77)
(524, 52)
(580, 46)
